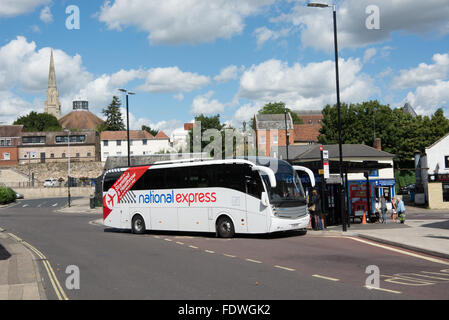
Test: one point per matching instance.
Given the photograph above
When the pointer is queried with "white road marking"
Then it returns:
(251, 260)
(285, 268)
(209, 251)
(229, 255)
(55, 205)
(325, 278)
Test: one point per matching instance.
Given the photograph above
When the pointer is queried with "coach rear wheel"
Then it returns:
(225, 228)
(138, 225)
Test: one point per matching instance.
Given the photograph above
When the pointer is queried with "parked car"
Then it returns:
(51, 183)
(18, 195)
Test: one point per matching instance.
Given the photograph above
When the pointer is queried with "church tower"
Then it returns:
(52, 105)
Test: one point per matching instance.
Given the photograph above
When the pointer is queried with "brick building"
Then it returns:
(271, 131)
(9, 145)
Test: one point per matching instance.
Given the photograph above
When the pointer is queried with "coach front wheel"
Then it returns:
(138, 225)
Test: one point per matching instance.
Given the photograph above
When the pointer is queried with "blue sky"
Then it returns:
(185, 57)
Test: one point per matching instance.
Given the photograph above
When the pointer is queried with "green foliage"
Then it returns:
(38, 122)
(279, 108)
(401, 134)
(114, 120)
(404, 178)
(7, 195)
(153, 132)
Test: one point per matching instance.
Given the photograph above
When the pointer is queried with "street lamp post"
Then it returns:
(340, 145)
(286, 131)
(127, 123)
(68, 167)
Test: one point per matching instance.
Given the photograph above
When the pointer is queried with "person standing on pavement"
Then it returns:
(394, 210)
(383, 209)
(400, 208)
(315, 208)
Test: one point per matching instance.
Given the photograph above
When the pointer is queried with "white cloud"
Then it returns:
(179, 96)
(181, 21)
(264, 34)
(172, 79)
(411, 16)
(12, 8)
(228, 73)
(24, 68)
(424, 74)
(203, 104)
(167, 126)
(369, 54)
(46, 15)
(426, 99)
(12, 107)
(305, 87)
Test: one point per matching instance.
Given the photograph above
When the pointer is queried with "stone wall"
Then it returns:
(41, 193)
(58, 170)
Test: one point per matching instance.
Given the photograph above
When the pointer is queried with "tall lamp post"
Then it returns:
(286, 131)
(340, 146)
(68, 166)
(128, 93)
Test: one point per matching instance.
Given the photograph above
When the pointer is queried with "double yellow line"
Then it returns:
(51, 274)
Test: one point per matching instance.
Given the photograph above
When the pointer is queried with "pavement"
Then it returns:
(80, 205)
(19, 272)
(425, 231)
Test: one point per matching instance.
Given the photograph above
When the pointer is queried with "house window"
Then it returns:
(119, 142)
(77, 155)
(105, 143)
(8, 142)
(144, 142)
(33, 140)
(89, 154)
(263, 139)
(2, 143)
(446, 192)
(6, 156)
(52, 155)
(106, 154)
(63, 155)
(119, 153)
(275, 139)
(446, 161)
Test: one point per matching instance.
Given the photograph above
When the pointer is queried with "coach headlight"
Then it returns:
(273, 208)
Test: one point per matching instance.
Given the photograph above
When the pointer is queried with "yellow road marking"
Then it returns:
(382, 289)
(325, 278)
(285, 268)
(169, 240)
(251, 260)
(51, 274)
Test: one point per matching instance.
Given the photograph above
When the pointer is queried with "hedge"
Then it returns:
(7, 195)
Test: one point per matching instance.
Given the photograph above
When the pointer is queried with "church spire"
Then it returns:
(52, 105)
(52, 73)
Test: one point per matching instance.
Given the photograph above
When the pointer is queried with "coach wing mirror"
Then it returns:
(264, 199)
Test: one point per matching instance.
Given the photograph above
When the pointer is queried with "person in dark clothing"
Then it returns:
(315, 209)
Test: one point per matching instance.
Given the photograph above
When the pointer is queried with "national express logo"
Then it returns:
(180, 198)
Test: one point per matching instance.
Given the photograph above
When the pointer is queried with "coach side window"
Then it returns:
(110, 179)
(155, 179)
(254, 185)
(230, 176)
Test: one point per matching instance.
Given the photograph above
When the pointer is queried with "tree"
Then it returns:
(114, 120)
(153, 132)
(279, 108)
(401, 133)
(38, 122)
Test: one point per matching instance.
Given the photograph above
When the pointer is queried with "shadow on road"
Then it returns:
(276, 235)
(4, 254)
(438, 225)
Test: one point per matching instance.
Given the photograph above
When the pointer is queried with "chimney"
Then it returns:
(378, 144)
